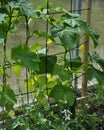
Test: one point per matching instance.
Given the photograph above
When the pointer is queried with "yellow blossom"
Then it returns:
(11, 113)
(49, 41)
(82, 47)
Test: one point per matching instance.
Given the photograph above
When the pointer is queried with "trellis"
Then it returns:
(75, 7)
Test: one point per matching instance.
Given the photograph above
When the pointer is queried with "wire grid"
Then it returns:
(28, 93)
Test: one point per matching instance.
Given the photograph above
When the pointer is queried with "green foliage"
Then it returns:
(75, 62)
(62, 72)
(92, 73)
(7, 98)
(98, 60)
(3, 14)
(97, 98)
(60, 93)
(45, 74)
(24, 57)
(47, 64)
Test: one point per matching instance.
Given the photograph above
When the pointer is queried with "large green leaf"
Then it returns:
(55, 31)
(69, 96)
(92, 73)
(60, 93)
(26, 9)
(23, 5)
(7, 98)
(96, 58)
(62, 72)
(71, 19)
(24, 57)
(47, 63)
(90, 32)
(68, 39)
(68, 36)
(74, 62)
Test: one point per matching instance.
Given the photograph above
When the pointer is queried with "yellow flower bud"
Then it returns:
(49, 41)
(82, 47)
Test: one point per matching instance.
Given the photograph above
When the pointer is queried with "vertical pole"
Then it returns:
(77, 6)
(85, 53)
(46, 58)
(27, 40)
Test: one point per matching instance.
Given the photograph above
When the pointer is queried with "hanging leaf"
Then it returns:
(95, 34)
(7, 98)
(92, 73)
(55, 31)
(91, 33)
(46, 64)
(95, 40)
(68, 33)
(68, 38)
(74, 62)
(60, 93)
(96, 58)
(24, 57)
(69, 96)
(62, 72)
(41, 34)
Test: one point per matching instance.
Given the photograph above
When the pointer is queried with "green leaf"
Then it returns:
(7, 98)
(62, 72)
(47, 64)
(95, 40)
(41, 34)
(55, 31)
(74, 62)
(90, 32)
(3, 14)
(24, 57)
(26, 9)
(68, 38)
(97, 59)
(60, 93)
(84, 26)
(69, 96)
(92, 73)
(35, 47)
(71, 19)
(94, 33)
(13, 3)
(17, 70)
(23, 5)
